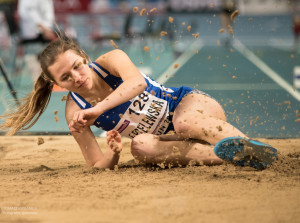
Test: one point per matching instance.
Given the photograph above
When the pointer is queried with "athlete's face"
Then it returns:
(72, 72)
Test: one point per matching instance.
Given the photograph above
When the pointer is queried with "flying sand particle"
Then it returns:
(234, 14)
(153, 10)
(40, 141)
(142, 12)
(163, 33)
(135, 9)
(64, 98)
(196, 35)
(146, 48)
(93, 103)
(113, 44)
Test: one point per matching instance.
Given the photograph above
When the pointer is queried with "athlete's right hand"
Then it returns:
(75, 126)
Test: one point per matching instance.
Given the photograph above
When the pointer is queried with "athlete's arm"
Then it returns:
(88, 144)
(117, 63)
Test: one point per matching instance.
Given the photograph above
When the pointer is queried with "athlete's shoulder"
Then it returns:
(111, 55)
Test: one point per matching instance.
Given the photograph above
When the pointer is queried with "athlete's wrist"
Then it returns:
(97, 109)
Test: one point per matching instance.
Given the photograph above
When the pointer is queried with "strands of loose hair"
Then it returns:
(32, 107)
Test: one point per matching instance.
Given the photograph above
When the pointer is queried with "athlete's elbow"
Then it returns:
(93, 162)
(90, 163)
(100, 165)
(141, 83)
(96, 164)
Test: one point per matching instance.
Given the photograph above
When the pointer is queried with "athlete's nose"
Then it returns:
(76, 76)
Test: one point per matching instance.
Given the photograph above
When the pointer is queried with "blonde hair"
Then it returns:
(33, 105)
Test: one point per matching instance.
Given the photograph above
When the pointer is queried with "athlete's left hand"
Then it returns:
(114, 141)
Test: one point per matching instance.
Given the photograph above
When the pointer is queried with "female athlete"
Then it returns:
(174, 126)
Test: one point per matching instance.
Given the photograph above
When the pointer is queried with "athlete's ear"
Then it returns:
(84, 61)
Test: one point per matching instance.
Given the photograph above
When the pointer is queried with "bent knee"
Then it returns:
(142, 146)
(182, 127)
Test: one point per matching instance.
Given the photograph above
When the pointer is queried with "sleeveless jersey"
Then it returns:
(149, 112)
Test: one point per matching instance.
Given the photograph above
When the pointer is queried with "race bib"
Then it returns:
(146, 114)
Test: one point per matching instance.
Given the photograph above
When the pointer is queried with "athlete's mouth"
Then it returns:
(83, 83)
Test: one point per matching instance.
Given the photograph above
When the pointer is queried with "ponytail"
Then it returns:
(31, 108)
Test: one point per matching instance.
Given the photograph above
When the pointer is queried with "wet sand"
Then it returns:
(50, 182)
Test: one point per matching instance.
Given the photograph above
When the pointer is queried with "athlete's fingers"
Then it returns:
(73, 128)
(81, 119)
(75, 116)
(114, 146)
(116, 135)
(109, 132)
(76, 119)
(108, 137)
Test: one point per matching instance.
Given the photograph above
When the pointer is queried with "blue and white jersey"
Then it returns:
(149, 112)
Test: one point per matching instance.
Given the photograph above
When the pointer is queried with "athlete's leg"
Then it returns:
(199, 116)
(148, 148)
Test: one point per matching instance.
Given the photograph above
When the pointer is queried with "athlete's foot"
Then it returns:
(246, 152)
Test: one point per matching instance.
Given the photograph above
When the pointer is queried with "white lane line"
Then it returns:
(266, 69)
(188, 54)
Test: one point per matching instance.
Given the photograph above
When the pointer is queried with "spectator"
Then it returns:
(36, 26)
(36, 21)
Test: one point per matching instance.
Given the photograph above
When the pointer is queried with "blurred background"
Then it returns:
(244, 53)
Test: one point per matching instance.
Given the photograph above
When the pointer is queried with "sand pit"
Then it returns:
(50, 182)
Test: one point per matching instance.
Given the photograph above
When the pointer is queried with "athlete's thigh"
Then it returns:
(195, 105)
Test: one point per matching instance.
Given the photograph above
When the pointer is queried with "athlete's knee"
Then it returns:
(142, 147)
(182, 126)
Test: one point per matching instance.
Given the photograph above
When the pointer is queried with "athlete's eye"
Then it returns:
(77, 65)
(64, 78)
